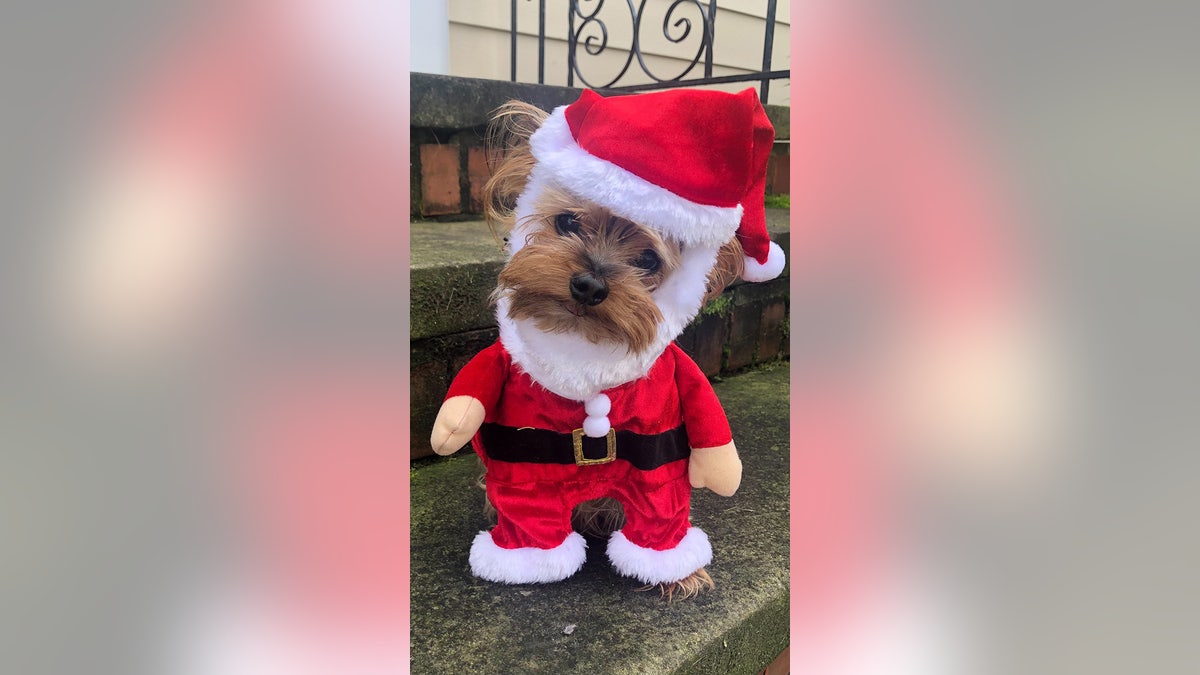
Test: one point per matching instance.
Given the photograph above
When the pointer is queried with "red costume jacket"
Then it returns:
(534, 500)
(673, 392)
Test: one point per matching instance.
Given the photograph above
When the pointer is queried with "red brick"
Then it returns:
(709, 346)
(687, 340)
(770, 332)
(779, 174)
(477, 176)
(743, 335)
(440, 193)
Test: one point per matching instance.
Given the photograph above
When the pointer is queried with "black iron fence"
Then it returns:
(587, 36)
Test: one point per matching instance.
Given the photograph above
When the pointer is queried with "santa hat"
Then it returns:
(689, 163)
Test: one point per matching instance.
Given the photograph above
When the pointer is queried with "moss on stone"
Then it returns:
(777, 201)
(718, 306)
(451, 299)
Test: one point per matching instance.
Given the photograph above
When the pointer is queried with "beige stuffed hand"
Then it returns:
(717, 469)
(457, 421)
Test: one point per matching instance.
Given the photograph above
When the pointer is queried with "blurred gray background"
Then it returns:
(1095, 109)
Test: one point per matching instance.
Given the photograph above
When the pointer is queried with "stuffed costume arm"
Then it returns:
(457, 421)
(475, 390)
(714, 462)
(719, 469)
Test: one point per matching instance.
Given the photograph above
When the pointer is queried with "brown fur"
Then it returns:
(537, 279)
(729, 266)
(688, 587)
(509, 159)
(598, 518)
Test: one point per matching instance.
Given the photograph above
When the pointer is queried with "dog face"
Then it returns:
(586, 271)
(580, 269)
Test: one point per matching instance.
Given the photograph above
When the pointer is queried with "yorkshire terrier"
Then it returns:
(585, 406)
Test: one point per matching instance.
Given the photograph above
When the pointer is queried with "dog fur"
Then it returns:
(566, 238)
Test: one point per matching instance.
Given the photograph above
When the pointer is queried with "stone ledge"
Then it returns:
(447, 102)
(461, 624)
(454, 268)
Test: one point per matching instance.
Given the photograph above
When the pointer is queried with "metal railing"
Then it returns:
(588, 30)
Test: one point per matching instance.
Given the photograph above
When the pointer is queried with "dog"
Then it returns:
(585, 402)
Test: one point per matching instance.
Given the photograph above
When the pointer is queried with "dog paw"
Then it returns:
(689, 587)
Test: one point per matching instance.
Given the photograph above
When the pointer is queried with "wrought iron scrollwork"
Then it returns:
(592, 33)
(587, 28)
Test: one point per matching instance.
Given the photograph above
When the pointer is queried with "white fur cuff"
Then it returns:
(527, 565)
(660, 567)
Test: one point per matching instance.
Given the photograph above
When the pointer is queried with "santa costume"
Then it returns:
(567, 420)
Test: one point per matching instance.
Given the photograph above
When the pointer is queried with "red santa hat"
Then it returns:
(689, 163)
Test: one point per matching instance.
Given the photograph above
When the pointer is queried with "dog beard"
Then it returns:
(573, 346)
(576, 368)
(537, 282)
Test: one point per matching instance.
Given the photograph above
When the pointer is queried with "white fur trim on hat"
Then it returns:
(527, 565)
(625, 193)
(660, 567)
(756, 271)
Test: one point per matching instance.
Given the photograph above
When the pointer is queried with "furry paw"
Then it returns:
(688, 587)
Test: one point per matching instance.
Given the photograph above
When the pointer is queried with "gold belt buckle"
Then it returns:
(580, 460)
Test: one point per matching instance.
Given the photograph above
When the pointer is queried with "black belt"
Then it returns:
(542, 446)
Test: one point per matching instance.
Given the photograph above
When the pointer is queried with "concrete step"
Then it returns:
(461, 624)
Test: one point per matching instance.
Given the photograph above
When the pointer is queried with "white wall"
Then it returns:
(429, 37)
(480, 42)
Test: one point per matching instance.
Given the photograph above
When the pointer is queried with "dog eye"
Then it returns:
(648, 261)
(567, 223)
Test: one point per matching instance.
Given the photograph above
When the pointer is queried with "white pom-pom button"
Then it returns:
(596, 426)
(598, 406)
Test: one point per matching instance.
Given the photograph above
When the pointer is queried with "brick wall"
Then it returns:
(448, 173)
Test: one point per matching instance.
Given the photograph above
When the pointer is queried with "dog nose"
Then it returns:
(588, 290)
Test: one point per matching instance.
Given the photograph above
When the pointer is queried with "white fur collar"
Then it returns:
(572, 367)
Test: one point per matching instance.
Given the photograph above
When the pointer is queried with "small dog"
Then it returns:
(585, 399)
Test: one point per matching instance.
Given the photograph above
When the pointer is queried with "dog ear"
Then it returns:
(726, 270)
(510, 160)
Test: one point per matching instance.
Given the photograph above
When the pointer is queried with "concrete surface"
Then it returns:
(461, 624)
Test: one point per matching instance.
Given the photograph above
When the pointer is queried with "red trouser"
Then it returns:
(534, 501)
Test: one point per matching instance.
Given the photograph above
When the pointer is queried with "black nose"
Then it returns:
(588, 290)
